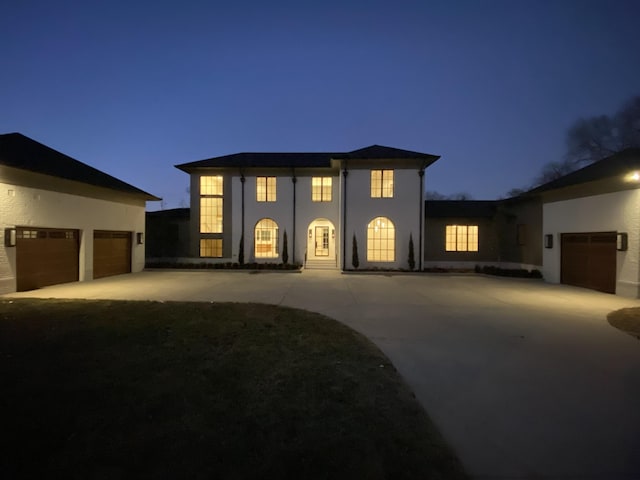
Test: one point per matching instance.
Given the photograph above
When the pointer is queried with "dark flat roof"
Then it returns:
(305, 159)
(617, 165)
(460, 208)
(19, 151)
(171, 213)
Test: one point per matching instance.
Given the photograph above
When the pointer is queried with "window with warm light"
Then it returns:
(321, 189)
(381, 183)
(266, 189)
(211, 201)
(461, 238)
(266, 239)
(211, 247)
(210, 215)
(381, 240)
(211, 185)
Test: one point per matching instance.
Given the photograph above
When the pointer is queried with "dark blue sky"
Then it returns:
(135, 87)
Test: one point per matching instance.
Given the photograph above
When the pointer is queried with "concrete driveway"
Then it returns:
(526, 380)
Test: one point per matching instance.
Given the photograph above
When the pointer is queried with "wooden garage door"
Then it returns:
(589, 260)
(46, 256)
(111, 253)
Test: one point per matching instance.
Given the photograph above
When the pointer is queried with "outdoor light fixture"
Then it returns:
(9, 237)
(548, 241)
(333, 233)
(622, 241)
(633, 177)
(310, 233)
(140, 238)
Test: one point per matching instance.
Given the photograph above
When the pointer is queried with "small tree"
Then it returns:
(241, 251)
(285, 248)
(354, 253)
(412, 259)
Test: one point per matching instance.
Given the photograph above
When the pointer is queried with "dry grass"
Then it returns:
(627, 320)
(104, 389)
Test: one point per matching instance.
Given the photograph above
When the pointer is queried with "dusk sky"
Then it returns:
(135, 87)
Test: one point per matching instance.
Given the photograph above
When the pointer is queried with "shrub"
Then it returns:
(411, 259)
(355, 261)
(285, 248)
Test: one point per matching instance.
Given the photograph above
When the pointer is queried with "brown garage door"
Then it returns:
(111, 253)
(46, 256)
(589, 260)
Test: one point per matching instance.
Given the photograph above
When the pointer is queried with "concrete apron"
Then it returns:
(524, 379)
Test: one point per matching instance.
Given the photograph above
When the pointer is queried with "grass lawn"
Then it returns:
(114, 389)
(627, 320)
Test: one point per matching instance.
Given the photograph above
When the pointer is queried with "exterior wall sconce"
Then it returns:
(310, 233)
(548, 241)
(622, 241)
(333, 233)
(140, 238)
(9, 237)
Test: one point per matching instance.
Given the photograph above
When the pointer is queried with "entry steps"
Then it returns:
(321, 264)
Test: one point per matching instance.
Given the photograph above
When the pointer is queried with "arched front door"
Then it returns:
(321, 240)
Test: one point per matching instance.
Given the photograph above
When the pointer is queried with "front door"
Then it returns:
(322, 241)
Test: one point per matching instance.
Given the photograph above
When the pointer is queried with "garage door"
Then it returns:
(46, 256)
(589, 260)
(111, 253)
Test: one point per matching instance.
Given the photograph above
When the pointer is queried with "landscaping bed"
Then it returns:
(120, 389)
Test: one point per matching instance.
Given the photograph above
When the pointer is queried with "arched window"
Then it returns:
(381, 240)
(266, 244)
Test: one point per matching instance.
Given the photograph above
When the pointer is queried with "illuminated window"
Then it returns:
(321, 189)
(381, 240)
(266, 237)
(211, 204)
(210, 215)
(211, 247)
(381, 183)
(461, 238)
(211, 185)
(266, 189)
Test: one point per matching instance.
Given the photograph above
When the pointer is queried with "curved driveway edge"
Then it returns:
(524, 379)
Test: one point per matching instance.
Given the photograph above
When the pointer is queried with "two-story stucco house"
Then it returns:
(321, 201)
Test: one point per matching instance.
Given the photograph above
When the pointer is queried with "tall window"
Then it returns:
(381, 240)
(321, 189)
(266, 238)
(211, 247)
(461, 238)
(266, 189)
(381, 183)
(211, 195)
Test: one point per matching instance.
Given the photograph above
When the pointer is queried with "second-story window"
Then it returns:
(211, 198)
(266, 189)
(321, 189)
(381, 183)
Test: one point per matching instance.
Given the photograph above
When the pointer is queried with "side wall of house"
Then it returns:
(25, 206)
(619, 212)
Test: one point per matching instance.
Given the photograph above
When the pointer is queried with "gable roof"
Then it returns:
(304, 159)
(460, 208)
(19, 151)
(614, 166)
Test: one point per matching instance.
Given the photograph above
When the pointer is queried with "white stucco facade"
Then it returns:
(319, 233)
(611, 212)
(64, 205)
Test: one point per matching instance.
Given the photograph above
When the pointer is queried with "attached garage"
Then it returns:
(589, 260)
(46, 256)
(111, 253)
